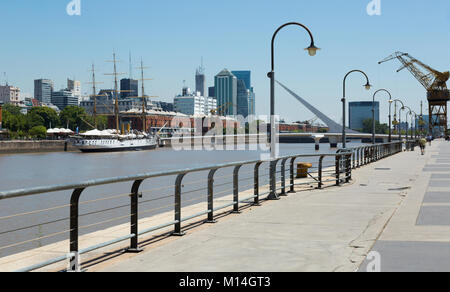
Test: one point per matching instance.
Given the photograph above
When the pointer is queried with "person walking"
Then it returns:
(422, 144)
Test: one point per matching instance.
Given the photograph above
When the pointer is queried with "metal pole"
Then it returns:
(344, 137)
(312, 49)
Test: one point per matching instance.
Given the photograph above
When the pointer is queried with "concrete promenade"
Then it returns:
(399, 207)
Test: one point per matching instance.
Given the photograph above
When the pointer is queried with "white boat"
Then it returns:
(110, 141)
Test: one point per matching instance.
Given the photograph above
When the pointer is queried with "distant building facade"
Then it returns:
(200, 81)
(211, 91)
(129, 87)
(164, 106)
(43, 89)
(193, 103)
(75, 87)
(9, 94)
(360, 111)
(64, 98)
(246, 97)
(226, 90)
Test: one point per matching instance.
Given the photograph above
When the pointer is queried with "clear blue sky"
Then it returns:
(39, 40)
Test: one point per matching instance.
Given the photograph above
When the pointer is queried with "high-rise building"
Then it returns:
(225, 84)
(9, 94)
(43, 89)
(211, 91)
(75, 87)
(129, 87)
(64, 98)
(200, 81)
(242, 98)
(245, 76)
(360, 111)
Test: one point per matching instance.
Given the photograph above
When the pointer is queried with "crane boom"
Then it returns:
(435, 82)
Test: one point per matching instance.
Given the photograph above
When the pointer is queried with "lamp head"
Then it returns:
(312, 50)
(368, 86)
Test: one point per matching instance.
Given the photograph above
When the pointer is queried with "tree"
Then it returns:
(39, 132)
(49, 116)
(75, 117)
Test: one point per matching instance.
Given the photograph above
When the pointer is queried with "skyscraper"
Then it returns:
(242, 98)
(225, 84)
(211, 91)
(129, 88)
(75, 87)
(43, 89)
(200, 81)
(360, 111)
(245, 98)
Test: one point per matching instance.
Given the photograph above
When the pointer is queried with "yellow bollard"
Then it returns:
(302, 169)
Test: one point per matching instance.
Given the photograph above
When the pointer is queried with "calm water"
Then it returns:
(31, 170)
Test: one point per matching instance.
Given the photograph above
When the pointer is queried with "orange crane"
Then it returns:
(435, 83)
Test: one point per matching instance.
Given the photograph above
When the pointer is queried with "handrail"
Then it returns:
(346, 160)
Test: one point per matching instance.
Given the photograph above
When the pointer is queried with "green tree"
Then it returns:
(49, 116)
(39, 132)
(74, 117)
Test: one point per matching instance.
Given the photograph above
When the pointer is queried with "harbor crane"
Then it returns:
(435, 82)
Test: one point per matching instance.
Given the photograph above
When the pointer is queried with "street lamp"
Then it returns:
(373, 114)
(367, 86)
(312, 50)
(406, 119)
(399, 117)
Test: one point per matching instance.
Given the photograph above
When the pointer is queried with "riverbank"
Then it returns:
(14, 147)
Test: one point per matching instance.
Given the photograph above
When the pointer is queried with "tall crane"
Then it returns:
(435, 83)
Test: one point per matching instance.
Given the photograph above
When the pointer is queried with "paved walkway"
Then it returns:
(417, 239)
(327, 230)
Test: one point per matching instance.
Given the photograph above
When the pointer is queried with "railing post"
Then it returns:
(353, 159)
(134, 217)
(273, 180)
(236, 189)
(292, 174)
(360, 155)
(348, 173)
(320, 171)
(338, 170)
(211, 196)
(283, 177)
(256, 186)
(74, 264)
(179, 180)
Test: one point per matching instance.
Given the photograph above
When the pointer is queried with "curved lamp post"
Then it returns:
(406, 119)
(312, 50)
(399, 117)
(415, 124)
(367, 86)
(373, 114)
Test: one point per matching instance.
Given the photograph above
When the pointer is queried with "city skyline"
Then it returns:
(349, 38)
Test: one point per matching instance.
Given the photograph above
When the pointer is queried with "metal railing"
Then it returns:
(338, 173)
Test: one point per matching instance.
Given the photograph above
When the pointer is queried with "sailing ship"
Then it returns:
(114, 140)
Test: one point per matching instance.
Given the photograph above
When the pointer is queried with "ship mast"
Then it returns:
(94, 95)
(144, 97)
(116, 91)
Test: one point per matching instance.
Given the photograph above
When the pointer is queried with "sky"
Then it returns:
(40, 40)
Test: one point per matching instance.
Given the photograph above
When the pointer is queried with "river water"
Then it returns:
(31, 170)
